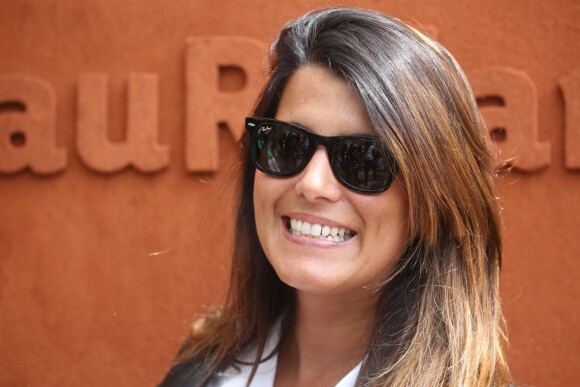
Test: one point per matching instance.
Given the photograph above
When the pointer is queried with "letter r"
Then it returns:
(207, 105)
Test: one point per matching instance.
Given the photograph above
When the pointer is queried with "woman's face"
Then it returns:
(318, 100)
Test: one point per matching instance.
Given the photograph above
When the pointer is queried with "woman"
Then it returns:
(368, 236)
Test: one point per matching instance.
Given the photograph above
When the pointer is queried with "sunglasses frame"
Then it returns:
(254, 123)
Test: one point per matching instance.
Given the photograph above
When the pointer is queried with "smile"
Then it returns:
(319, 231)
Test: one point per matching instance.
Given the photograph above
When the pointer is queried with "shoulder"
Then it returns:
(190, 372)
(187, 374)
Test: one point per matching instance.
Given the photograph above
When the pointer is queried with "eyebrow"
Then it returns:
(366, 135)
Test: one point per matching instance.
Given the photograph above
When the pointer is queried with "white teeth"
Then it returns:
(334, 231)
(316, 230)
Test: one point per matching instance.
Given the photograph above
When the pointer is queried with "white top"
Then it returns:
(266, 372)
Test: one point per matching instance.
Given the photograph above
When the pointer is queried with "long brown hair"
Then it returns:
(439, 320)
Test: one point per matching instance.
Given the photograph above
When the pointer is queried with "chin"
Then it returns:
(309, 282)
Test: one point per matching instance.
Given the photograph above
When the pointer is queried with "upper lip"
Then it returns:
(316, 219)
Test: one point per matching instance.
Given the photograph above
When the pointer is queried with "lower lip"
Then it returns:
(312, 242)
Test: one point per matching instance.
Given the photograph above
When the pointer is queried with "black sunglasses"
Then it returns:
(282, 149)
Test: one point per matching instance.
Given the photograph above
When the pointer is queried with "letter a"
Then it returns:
(518, 117)
(27, 126)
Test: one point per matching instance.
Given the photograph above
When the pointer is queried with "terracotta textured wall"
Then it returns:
(116, 183)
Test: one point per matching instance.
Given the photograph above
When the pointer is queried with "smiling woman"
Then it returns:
(315, 199)
(368, 241)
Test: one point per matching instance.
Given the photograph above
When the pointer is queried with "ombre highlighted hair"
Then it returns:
(439, 320)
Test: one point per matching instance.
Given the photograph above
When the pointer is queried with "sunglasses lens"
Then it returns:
(362, 165)
(280, 149)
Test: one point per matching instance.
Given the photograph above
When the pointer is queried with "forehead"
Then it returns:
(322, 102)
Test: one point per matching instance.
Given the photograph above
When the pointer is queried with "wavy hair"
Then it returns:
(439, 319)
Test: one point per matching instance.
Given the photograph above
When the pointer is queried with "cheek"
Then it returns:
(258, 189)
(389, 221)
(268, 190)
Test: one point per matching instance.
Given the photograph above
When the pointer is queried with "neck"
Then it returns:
(330, 337)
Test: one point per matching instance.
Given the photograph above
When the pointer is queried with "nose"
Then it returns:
(317, 182)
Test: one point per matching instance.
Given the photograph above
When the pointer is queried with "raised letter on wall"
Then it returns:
(28, 126)
(141, 149)
(208, 107)
(516, 117)
(570, 85)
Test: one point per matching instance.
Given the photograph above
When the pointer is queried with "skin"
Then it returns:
(335, 282)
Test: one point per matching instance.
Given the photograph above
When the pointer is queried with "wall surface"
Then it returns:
(118, 122)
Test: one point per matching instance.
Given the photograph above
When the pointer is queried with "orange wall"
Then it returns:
(111, 242)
